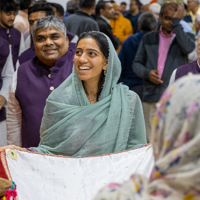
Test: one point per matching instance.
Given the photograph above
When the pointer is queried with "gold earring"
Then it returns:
(104, 72)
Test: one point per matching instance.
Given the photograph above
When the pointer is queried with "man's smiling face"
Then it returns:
(50, 45)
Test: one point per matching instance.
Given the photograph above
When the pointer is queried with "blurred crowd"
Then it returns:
(156, 43)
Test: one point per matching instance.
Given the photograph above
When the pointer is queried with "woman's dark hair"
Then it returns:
(43, 7)
(9, 5)
(103, 45)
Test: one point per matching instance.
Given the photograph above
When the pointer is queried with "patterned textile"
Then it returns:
(71, 126)
(176, 140)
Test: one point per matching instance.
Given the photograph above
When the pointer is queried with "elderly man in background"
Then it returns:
(159, 53)
(120, 25)
(36, 79)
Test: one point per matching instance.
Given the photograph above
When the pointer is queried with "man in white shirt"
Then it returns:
(6, 72)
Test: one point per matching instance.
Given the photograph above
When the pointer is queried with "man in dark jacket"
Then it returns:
(104, 12)
(82, 21)
(147, 22)
(159, 53)
(133, 14)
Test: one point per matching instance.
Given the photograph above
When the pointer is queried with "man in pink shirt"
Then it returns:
(159, 53)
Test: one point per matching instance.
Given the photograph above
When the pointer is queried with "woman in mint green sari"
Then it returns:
(90, 114)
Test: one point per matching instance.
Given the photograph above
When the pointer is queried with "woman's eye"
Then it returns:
(92, 53)
(78, 52)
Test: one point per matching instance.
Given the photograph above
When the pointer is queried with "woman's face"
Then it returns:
(89, 60)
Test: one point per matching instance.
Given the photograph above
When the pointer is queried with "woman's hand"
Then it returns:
(11, 147)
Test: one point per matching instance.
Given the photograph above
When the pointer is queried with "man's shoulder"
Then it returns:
(24, 67)
(188, 65)
(151, 37)
(15, 31)
(4, 47)
(79, 17)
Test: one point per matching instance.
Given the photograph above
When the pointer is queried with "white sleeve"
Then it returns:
(22, 47)
(75, 39)
(14, 116)
(17, 64)
(6, 75)
(173, 76)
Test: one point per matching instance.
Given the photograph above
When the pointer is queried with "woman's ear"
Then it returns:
(105, 66)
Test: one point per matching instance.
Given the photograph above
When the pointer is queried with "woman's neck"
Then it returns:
(91, 90)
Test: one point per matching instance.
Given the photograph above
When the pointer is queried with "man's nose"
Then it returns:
(48, 42)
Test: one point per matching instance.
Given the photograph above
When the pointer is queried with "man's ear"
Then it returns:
(67, 39)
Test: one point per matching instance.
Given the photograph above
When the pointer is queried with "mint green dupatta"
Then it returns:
(71, 126)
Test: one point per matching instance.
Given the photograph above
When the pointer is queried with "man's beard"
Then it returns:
(8, 27)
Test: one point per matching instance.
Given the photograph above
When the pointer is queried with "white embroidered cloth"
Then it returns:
(45, 177)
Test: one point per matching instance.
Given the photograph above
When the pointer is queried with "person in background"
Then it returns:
(133, 14)
(8, 10)
(71, 8)
(6, 72)
(37, 11)
(123, 7)
(176, 151)
(21, 20)
(192, 67)
(81, 21)
(58, 10)
(105, 12)
(147, 22)
(159, 53)
(120, 25)
(36, 79)
(155, 9)
(193, 9)
(193, 55)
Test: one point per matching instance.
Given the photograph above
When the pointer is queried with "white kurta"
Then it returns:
(6, 75)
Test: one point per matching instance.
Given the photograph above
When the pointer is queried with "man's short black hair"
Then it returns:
(174, 5)
(101, 5)
(123, 3)
(59, 8)
(9, 5)
(43, 7)
(71, 7)
(137, 2)
(24, 4)
(86, 3)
